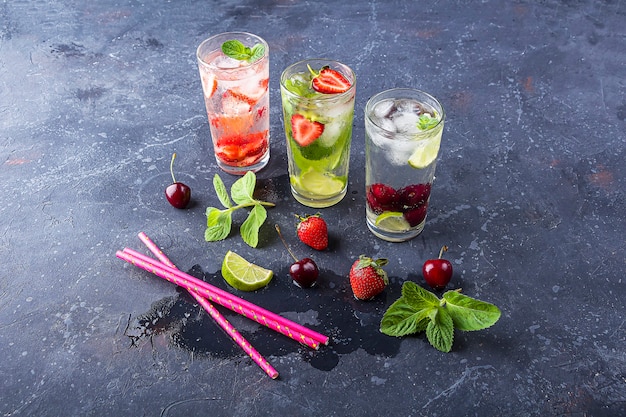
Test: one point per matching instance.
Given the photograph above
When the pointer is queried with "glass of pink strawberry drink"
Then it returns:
(403, 129)
(234, 70)
(318, 108)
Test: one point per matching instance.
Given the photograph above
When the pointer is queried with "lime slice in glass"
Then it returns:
(318, 183)
(243, 275)
(426, 153)
(393, 221)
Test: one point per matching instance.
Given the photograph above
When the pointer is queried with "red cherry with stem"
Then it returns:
(177, 193)
(437, 272)
(303, 272)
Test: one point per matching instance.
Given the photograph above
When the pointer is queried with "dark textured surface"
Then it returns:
(530, 197)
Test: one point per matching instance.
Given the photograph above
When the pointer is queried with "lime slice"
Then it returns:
(243, 275)
(426, 153)
(393, 221)
(320, 184)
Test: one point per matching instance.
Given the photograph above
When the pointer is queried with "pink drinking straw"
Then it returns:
(221, 320)
(262, 316)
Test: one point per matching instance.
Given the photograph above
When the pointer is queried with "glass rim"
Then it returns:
(403, 92)
(234, 35)
(323, 97)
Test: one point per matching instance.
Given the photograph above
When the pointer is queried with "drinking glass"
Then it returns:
(318, 129)
(403, 129)
(237, 102)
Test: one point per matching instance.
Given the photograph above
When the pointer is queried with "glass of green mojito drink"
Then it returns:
(318, 108)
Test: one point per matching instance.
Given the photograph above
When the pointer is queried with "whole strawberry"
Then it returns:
(367, 277)
(313, 231)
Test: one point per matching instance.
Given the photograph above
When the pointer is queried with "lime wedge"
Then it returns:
(243, 275)
(317, 183)
(393, 221)
(426, 153)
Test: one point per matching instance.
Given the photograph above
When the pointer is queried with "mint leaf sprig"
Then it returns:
(237, 50)
(219, 222)
(420, 310)
(427, 122)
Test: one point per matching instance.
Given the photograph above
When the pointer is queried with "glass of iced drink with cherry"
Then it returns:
(234, 70)
(403, 129)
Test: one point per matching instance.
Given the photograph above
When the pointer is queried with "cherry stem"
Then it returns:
(285, 243)
(444, 248)
(172, 166)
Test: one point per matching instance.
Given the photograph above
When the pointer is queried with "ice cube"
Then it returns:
(332, 112)
(399, 151)
(409, 106)
(226, 62)
(388, 125)
(379, 141)
(332, 131)
(406, 122)
(383, 109)
(381, 115)
(252, 88)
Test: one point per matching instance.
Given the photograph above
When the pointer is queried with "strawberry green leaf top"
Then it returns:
(237, 50)
(420, 310)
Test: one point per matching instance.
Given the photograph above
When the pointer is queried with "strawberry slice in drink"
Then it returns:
(242, 150)
(250, 94)
(329, 81)
(305, 131)
(236, 116)
(209, 84)
(234, 102)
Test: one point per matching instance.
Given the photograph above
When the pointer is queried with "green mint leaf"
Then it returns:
(256, 53)
(440, 330)
(402, 319)
(468, 313)
(222, 193)
(219, 223)
(235, 49)
(250, 228)
(410, 313)
(242, 189)
(418, 297)
(426, 122)
(296, 87)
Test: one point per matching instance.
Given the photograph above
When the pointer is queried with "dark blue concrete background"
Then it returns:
(529, 196)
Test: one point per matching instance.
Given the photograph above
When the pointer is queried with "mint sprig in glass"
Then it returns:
(237, 50)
